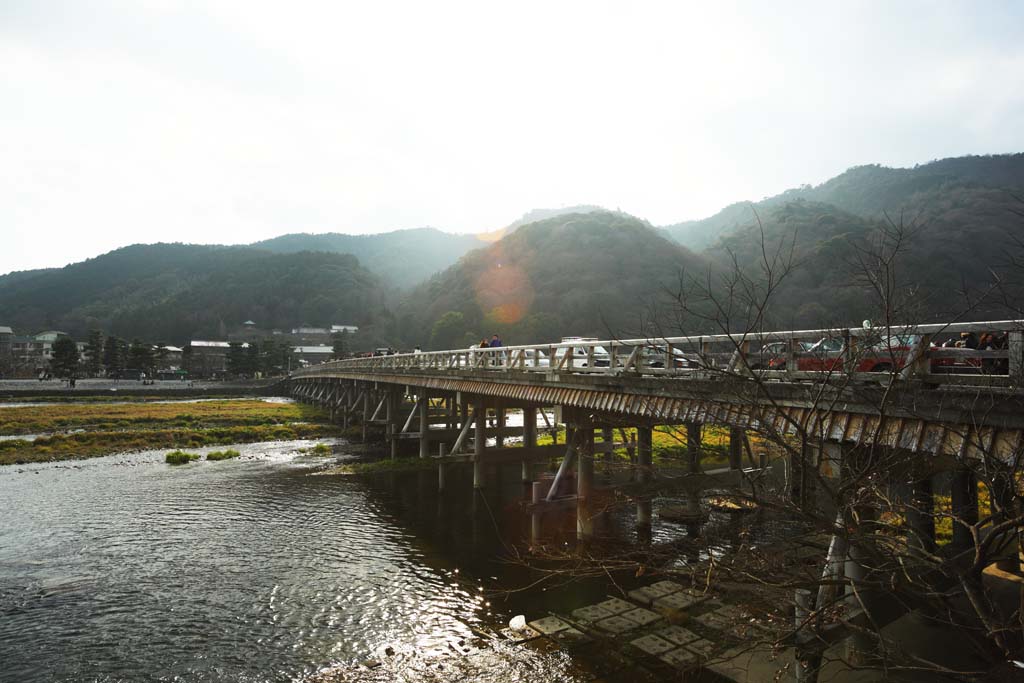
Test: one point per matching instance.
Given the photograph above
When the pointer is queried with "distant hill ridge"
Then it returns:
(866, 191)
(582, 270)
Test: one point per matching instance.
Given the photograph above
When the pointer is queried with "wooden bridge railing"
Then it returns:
(899, 352)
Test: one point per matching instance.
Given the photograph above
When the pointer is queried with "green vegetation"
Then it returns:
(381, 466)
(572, 274)
(180, 458)
(176, 292)
(227, 454)
(122, 416)
(587, 272)
(64, 362)
(321, 449)
(406, 257)
(149, 426)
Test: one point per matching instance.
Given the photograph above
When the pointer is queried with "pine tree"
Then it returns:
(64, 361)
(94, 353)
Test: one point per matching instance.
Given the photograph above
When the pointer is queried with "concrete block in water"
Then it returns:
(680, 658)
(570, 636)
(520, 635)
(616, 606)
(677, 635)
(548, 625)
(715, 620)
(591, 613)
(652, 645)
(641, 616)
(677, 601)
(644, 595)
(665, 587)
(702, 648)
(616, 624)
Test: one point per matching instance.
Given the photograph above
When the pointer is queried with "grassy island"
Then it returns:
(76, 431)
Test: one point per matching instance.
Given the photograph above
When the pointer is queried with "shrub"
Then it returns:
(180, 457)
(321, 449)
(223, 455)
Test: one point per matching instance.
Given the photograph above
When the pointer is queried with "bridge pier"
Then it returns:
(585, 485)
(921, 516)
(736, 437)
(644, 473)
(964, 490)
(693, 438)
(424, 417)
(479, 442)
(529, 438)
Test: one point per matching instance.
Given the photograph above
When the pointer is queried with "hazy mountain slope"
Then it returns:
(961, 239)
(404, 257)
(585, 274)
(172, 291)
(867, 191)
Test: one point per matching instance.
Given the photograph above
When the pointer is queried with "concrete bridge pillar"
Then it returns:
(529, 438)
(964, 490)
(921, 516)
(479, 442)
(442, 451)
(644, 459)
(736, 437)
(499, 418)
(1003, 506)
(693, 438)
(585, 485)
(366, 412)
(424, 415)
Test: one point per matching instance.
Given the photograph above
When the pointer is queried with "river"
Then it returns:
(123, 568)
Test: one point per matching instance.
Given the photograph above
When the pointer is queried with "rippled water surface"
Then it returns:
(124, 568)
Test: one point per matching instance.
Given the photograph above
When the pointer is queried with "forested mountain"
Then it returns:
(591, 272)
(404, 257)
(869, 192)
(577, 274)
(171, 292)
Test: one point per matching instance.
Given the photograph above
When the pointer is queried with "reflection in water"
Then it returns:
(127, 569)
(124, 568)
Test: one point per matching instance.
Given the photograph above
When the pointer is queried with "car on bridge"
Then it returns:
(581, 355)
(829, 355)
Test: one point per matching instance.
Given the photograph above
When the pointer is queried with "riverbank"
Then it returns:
(58, 390)
(88, 430)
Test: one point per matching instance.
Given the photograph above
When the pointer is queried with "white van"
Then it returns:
(581, 354)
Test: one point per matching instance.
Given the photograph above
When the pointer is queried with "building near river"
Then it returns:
(312, 355)
(6, 357)
(204, 359)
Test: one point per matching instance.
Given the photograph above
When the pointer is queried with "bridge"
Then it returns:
(833, 403)
(832, 391)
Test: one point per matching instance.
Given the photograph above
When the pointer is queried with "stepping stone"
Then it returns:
(644, 595)
(520, 635)
(616, 606)
(677, 635)
(678, 601)
(663, 588)
(616, 624)
(641, 616)
(680, 658)
(548, 625)
(591, 613)
(703, 648)
(715, 620)
(652, 645)
(570, 636)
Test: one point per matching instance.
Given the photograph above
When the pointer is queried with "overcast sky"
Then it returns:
(229, 122)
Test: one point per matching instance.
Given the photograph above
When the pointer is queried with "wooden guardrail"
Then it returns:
(905, 352)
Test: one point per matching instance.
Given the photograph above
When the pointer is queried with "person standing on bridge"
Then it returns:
(495, 341)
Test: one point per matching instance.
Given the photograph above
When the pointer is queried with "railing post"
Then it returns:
(1015, 346)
